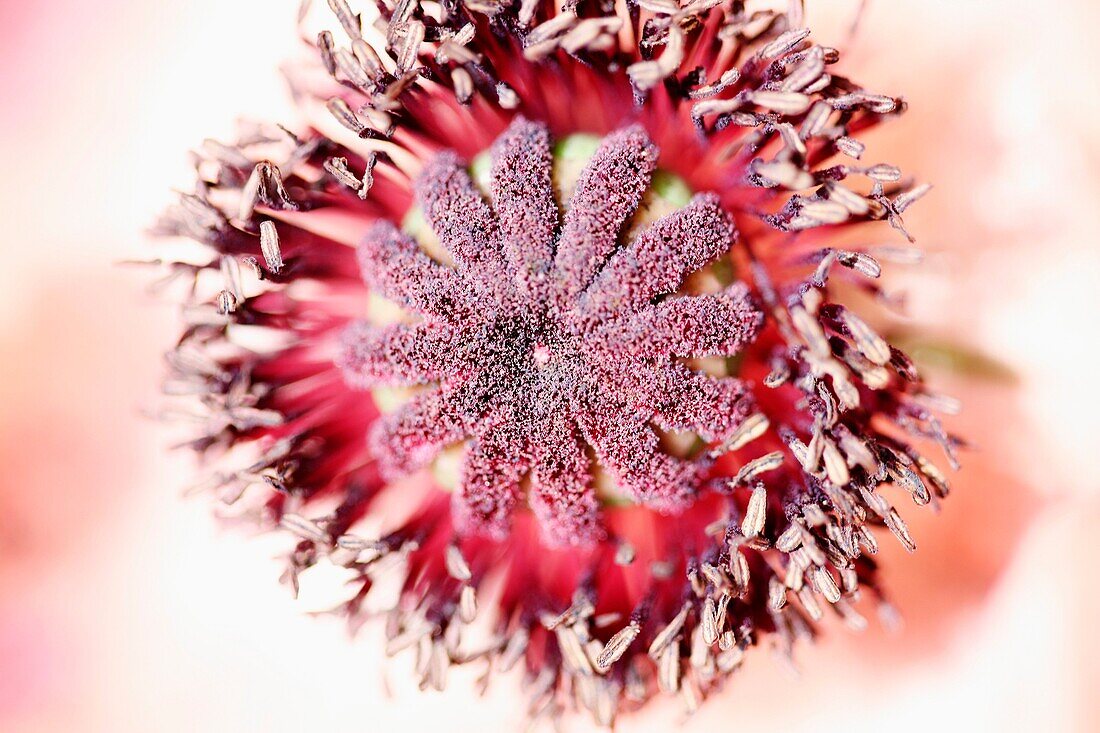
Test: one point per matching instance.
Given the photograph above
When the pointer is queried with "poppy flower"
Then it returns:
(553, 327)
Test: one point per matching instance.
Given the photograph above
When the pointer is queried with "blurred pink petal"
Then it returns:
(126, 610)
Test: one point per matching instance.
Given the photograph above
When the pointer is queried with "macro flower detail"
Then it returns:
(543, 342)
(563, 333)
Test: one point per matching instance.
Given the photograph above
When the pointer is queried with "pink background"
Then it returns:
(125, 607)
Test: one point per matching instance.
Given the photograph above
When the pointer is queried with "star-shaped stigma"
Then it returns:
(548, 345)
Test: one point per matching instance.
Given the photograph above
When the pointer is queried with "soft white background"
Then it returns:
(124, 608)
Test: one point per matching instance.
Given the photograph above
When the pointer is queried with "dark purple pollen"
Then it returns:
(608, 192)
(464, 223)
(547, 342)
(523, 197)
(393, 264)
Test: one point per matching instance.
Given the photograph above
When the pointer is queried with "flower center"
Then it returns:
(557, 304)
(541, 354)
(666, 193)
